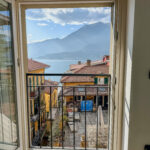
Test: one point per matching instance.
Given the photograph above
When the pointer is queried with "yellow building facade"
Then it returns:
(70, 98)
(51, 99)
(54, 99)
(37, 108)
(97, 67)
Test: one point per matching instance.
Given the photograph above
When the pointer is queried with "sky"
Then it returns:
(43, 24)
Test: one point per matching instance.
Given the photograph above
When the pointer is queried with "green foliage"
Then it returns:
(65, 118)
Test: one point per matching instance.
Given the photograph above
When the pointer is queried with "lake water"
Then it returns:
(57, 66)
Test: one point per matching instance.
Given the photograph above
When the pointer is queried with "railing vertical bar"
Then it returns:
(97, 119)
(51, 117)
(74, 118)
(28, 111)
(39, 121)
(85, 116)
(62, 121)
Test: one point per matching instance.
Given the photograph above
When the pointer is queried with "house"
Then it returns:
(95, 67)
(38, 118)
(51, 100)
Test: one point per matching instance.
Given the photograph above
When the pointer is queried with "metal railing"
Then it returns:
(73, 121)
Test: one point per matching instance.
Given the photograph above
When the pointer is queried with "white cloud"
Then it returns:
(42, 24)
(100, 10)
(73, 16)
(30, 40)
(34, 41)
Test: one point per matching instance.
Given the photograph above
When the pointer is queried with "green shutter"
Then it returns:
(37, 81)
(95, 80)
(30, 84)
(33, 83)
(41, 80)
(105, 80)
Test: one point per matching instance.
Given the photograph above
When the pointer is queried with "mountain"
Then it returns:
(89, 42)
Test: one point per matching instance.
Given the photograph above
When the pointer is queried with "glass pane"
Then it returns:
(8, 117)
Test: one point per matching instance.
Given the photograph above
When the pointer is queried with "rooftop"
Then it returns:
(49, 83)
(35, 65)
(92, 69)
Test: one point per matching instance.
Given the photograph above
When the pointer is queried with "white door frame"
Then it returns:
(117, 52)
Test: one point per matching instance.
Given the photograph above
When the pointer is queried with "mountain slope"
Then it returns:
(89, 41)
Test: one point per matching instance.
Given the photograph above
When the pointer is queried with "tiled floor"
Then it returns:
(91, 120)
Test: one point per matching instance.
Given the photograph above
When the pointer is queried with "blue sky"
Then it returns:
(43, 24)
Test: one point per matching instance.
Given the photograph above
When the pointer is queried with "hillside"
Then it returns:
(89, 42)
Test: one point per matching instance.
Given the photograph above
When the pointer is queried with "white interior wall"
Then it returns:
(137, 91)
(129, 48)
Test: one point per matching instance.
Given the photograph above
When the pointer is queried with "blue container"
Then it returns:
(89, 105)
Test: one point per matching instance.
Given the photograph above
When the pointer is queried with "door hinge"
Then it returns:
(116, 36)
(115, 80)
(18, 61)
(114, 107)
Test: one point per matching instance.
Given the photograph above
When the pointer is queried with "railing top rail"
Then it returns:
(69, 86)
(65, 74)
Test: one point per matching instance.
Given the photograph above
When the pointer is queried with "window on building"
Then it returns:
(33, 83)
(37, 80)
(30, 84)
(105, 80)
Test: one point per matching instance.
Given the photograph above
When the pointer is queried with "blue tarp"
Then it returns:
(89, 105)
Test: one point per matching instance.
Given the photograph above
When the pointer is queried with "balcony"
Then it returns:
(79, 118)
(33, 94)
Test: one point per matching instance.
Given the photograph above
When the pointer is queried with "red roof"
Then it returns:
(106, 58)
(35, 65)
(96, 69)
(78, 66)
(49, 83)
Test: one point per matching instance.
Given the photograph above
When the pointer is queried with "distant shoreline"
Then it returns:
(60, 59)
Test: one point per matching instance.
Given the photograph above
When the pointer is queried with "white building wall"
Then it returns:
(137, 91)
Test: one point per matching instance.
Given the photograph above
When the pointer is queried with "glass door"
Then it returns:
(8, 100)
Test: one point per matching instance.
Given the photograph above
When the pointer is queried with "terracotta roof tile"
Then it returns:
(77, 66)
(96, 69)
(35, 65)
(49, 83)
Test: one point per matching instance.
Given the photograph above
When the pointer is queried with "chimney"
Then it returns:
(79, 62)
(88, 62)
